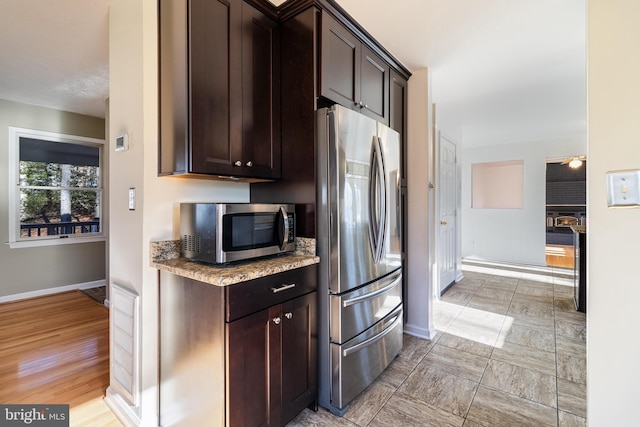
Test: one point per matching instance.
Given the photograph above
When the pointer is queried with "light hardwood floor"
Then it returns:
(560, 256)
(55, 350)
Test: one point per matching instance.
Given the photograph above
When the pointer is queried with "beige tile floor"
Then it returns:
(510, 351)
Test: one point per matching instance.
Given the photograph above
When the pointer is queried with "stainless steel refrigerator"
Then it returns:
(358, 241)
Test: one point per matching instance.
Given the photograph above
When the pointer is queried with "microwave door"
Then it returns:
(283, 227)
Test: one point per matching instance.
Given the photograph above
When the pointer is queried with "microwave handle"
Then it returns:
(283, 228)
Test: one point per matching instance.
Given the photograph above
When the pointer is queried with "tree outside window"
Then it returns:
(58, 187)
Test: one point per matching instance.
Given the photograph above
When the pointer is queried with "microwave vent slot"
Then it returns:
(191, 243)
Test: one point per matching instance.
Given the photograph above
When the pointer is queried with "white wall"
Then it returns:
(420, 207)
(613, 235)
(512, 235)
(134, 109)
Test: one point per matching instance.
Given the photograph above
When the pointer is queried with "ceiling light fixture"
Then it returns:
(575, 163)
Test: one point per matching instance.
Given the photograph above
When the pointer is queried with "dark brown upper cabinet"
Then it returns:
(327, 58)
(352, 74)
(398, 96)
(219, 90)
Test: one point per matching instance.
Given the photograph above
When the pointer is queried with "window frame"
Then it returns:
(497, 185)
(15, 241)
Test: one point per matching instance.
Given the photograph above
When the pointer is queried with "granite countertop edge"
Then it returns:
(579, 228)
(165, 256)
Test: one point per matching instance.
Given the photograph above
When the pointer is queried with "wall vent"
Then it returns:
(124, 356)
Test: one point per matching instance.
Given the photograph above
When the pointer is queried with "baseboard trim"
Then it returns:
(459, 276)
(419, 332)
(121, 409)
(50, 291)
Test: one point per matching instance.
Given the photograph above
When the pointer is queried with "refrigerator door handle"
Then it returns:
(373, 339)
(377, 200)
(385, 196)
(372, 195)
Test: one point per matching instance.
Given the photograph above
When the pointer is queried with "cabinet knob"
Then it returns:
(276, 320)
(288, 315)
(361, 104)
(237, 163)
(249, 163)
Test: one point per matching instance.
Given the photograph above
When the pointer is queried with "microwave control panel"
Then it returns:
(292, 227)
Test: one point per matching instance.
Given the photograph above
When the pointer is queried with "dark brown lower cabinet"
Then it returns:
(243, 355)
(272, 369)
(299, 355)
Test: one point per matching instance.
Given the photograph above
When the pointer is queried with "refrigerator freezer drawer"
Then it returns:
(357, 363)
(353, 312)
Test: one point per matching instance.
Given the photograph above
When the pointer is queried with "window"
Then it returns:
(497, 185)
(55, 188)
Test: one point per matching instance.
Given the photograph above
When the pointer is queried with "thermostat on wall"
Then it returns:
(122, 142)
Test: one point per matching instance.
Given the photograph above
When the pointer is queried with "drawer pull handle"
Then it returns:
(288, 315)
(371, 295)
(372, 340)
(283, 288)
(276, 320)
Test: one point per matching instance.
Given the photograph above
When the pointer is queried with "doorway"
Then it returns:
(447, 208)
(566, 206)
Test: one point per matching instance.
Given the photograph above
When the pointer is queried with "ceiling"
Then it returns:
(502, 70)
(55, 54)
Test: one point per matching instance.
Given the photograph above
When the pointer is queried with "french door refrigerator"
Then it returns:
(358, 241)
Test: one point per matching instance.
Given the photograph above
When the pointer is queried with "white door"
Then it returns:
(447, 198)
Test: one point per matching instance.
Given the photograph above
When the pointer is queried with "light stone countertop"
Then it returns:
(165, 256)
(579, 228)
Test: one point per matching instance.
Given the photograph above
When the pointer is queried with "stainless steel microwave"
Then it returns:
(226, 232)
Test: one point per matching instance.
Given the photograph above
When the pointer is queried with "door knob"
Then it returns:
(443, 222)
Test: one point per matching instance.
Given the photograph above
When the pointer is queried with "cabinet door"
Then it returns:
(215, 94)
(340, 63)
(260, 95)
(299, 355)
(253, 369)
(374, 86)
(398, 118)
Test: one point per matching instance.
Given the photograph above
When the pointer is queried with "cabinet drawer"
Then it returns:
(249, 297)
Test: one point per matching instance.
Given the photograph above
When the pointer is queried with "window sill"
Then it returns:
(55, 241)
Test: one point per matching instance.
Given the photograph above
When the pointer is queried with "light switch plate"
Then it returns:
(623, 188)
(132, 199)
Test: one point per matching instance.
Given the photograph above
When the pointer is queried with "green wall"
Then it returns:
(41, 268)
